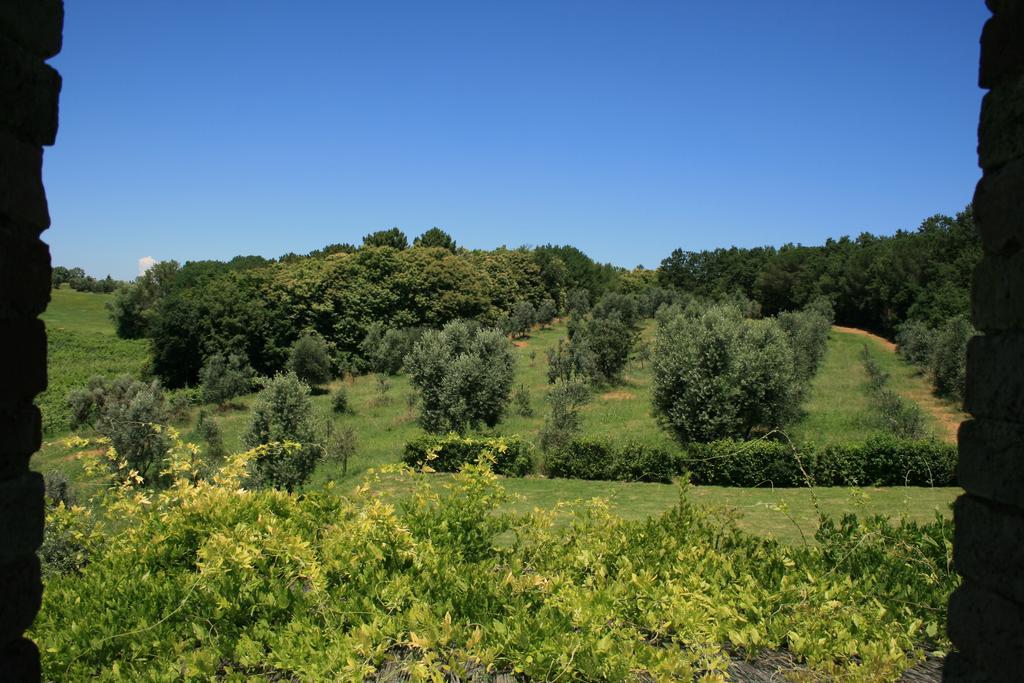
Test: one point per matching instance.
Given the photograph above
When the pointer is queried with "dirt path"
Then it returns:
(947, 417)
(864, 333)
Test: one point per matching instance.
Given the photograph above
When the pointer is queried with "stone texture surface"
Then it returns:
(23, 591)
(995, 376)
(33, 88)
(25, 276)
(1001, 129)
(22, 198)
(996, 300)
(1002, 56)
(989, 632)
(22, 360)
(30, 31)
(999, 209)
(992, 460)
(988, 545)
(986, 614)
(37, 25)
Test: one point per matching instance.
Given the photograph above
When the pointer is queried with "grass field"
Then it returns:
(839, 409)
(82, 343)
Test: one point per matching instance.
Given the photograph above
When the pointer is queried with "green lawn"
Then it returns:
(82, 343)
(839, 408)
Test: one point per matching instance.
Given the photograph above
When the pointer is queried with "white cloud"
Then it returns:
(145, 263)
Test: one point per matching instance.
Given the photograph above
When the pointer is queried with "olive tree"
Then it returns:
(224, 377)
(128, 412)
(463, 375)
(282, 421)
(721, 375)
(310, 359)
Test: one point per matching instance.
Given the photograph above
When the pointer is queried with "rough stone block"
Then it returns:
(21, 515)
(20, 436)
(19, 660)
(22, 360)
(997, 6)
(991, 462)
(24, 275)
(999, 208)
(1001, 128)
(958, 668)
(995, 376)
(1002, 47)
(997, 298)
(988, 545)
(988, 630)
(37, 25)
(22, 198)
(22, 588)
(30, 90)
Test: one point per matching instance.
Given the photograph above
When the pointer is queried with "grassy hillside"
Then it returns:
(81, 343)
(839, 408)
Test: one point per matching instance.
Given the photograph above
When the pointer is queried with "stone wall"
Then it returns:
(30, 33)
(986, 614)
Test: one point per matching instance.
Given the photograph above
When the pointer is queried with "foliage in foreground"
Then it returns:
(205, 579)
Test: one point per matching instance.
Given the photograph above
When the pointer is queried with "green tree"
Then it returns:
(464, 377)
(283, 414)
(310, 360)
(224, 377)
(610, 342)
(949, 357)
(562, 422)
(435, 237)
(546, 312)
(721, 375)
(130, 413)
(135, 305)
(393, 238)
(521, 318)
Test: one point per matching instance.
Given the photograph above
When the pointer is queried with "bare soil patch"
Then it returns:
(864, 333)
(520, 344)
(618, 396)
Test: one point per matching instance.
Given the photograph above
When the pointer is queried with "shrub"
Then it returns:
(520, 319)
(282, 421)
(57, 489)
(915, 342)
(563, 421)
(949, 357)
(340, 403)
(521, 399)
(223, 377)
(463, 375)
(129, 413)
(729, 462)
(339, 445)
(70, 537)
(883, 460)
(598, 459)
(546, 312)
(450, 452)
(897, 415)
(807, 331)
(310, 359)
(721, 375)
(570, 361)
(179, 401)
(210, 432)
(609, 341)
(385, 349)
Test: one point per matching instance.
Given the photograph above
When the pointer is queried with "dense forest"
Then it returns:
(257, 308)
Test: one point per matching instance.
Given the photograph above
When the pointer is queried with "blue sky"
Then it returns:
(194, 130)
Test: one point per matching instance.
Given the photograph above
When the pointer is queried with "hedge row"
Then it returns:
(450, 452)
(880, 461)
(595, 459)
